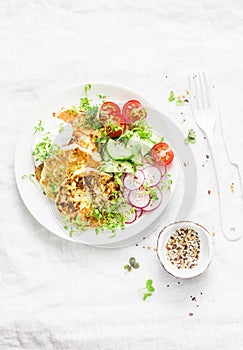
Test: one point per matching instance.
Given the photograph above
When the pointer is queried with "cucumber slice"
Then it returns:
(138, 159)
(118, 167)
(144, 144)
(105, 157)
(118, 151)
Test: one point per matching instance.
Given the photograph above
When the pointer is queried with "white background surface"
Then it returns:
(58, 295)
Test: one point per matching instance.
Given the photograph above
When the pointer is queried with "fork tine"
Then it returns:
(207, 89)
(192, 92)
(202, 90)
(192, 97)
(196, 91)
(198, 86)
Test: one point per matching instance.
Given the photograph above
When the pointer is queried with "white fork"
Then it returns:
(204, 115)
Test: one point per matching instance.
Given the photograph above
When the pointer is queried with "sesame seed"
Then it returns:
(183, 248)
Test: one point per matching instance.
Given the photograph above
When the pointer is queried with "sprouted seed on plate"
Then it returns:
(183, 248)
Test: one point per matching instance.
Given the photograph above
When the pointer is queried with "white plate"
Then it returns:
(37, 204)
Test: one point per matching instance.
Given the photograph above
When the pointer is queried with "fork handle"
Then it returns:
(230, 198)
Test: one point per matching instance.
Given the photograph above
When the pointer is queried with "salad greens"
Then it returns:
(124, 141)
(39, 127)
(45, 148)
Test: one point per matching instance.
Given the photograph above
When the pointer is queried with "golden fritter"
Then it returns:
(83, 191)
(82, 136)
(57, 168)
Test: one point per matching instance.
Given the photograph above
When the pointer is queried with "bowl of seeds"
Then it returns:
(185, 249)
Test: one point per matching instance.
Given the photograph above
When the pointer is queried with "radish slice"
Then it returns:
(162, 168)
(125, 192)
(154, 203)
(133, 181)
(139, 199)
(132, 217)
(139, 212)
(152, 176)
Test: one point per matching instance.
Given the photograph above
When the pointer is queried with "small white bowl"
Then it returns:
(205, 255)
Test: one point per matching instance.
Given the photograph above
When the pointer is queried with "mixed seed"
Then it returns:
(183, 248)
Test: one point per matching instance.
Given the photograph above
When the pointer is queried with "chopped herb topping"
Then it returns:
(133, 264)
(191, 137)
(108, 216)
(73, 110)
(84, 103)
(30, 177)
(179, 100)
(92, 111)
(102, 97)
(166, 182)
(91, 119)
(172, 96)
(39, 127)
(61, 128)
(45, 149)
(87, 87)
(148, 291)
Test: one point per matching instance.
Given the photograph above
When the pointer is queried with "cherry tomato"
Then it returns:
(162, 154)
(109, 109)
(114, 126)
(133, 111)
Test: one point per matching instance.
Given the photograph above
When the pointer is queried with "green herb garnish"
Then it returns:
(149, 289)
(61, 128)
(30, 177)
(87, 87)
(73, 110)
(144, 130)
(91, 119)
(92, 111)
(102, 97)
(153, 194)
(45, 149)
(141, 128)
(133, 264)
(108, 215)
(191, 137)
(39, 127)
(179, 102)
(166, 182)
(84, 103)
(171, 97)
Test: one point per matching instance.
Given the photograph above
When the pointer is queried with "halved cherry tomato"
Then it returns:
(109, 109)
(133, 111)
(162, 154)
(114, 126)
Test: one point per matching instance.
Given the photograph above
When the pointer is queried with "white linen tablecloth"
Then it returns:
(58, 295)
